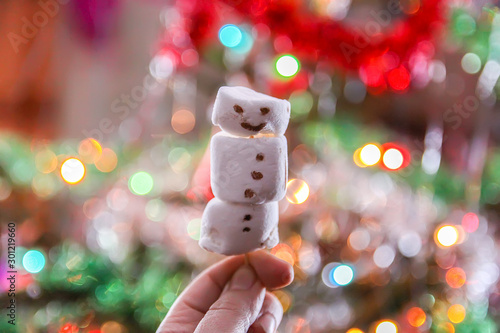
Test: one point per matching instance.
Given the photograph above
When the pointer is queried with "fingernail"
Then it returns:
(243, 279)
(268, 323)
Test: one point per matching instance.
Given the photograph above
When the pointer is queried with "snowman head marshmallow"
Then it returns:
(243, 112)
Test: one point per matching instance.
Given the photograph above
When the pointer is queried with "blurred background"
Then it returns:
(392, 207)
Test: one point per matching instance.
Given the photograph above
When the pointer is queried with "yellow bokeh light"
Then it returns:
(72, 170)
(370, 154)
(183, 121)
(447, 235)
(285, 299)
(357, 159)
(354, 330)
(386, 326)
(46, 161)
(112, 327)
(89, 150)
(107, 161)
(445, 328)
(416, 317)
(297, 191)
(393, 159)
(284, 252)
(456, 313)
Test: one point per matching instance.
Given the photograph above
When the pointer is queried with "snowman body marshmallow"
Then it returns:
(249, 166)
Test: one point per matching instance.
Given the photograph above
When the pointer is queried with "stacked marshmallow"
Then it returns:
(248, 172)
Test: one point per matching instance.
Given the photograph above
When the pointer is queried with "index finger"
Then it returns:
(196, 299)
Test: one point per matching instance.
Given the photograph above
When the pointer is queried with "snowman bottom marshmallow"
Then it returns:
(232, 228)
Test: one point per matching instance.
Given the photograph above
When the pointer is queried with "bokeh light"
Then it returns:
(89, 150)
(297, 191)
(284, 252)
(285, 298)
(456, 313)
(194, 228)
(471, 63)
(46, 161)
(393, 159)
(72, 170)
(141, 183)
(370, 154)
(386, 326)
(230, 35)
(357, 158)
(107, 162)
(416, 317)
(183, 121)
(470, 222)
(409, 7)
(445, 328)
(384, 256)
(113, 327)
(354, 330)
(447, 235)
(33, 261)
(455, 277)
(343, 275)
(287, 65)
(399, 78)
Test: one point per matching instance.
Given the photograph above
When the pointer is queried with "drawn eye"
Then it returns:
(238, 109)
(264, 110)
(247, 217)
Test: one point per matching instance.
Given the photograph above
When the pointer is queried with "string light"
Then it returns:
(297, 191)
(343, 275)
(287, 65)
(370, 154)
(141, 183)
(89, 150)
(284, 252)
(455, 277)
(354, 330)
(470, 222)
(416, 317)
(230, 35)
(393, 159)
(183, 121)
(33, 261)
(456, 313)
(447, 236)
(72, 170)
(107, 162)
(386, 326)
(46, 161)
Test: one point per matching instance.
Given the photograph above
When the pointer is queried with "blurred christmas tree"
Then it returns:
(393, 199)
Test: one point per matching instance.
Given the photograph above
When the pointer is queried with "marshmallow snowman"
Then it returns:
(249, 164)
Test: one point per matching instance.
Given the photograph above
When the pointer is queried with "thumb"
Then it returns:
(237, 307)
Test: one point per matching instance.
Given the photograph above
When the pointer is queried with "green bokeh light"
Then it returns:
(141, 183)
(287, 65)
(471, 63)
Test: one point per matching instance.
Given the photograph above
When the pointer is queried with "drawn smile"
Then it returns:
(253, 128)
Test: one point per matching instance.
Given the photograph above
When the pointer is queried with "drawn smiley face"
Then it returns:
(247, 125)
(243, 112)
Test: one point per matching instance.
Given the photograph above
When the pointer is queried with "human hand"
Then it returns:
(231, 297)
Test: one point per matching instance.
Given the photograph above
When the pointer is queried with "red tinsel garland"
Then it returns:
(383, 43)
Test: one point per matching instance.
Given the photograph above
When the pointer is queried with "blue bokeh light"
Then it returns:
(33, 261)
(230, 35)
